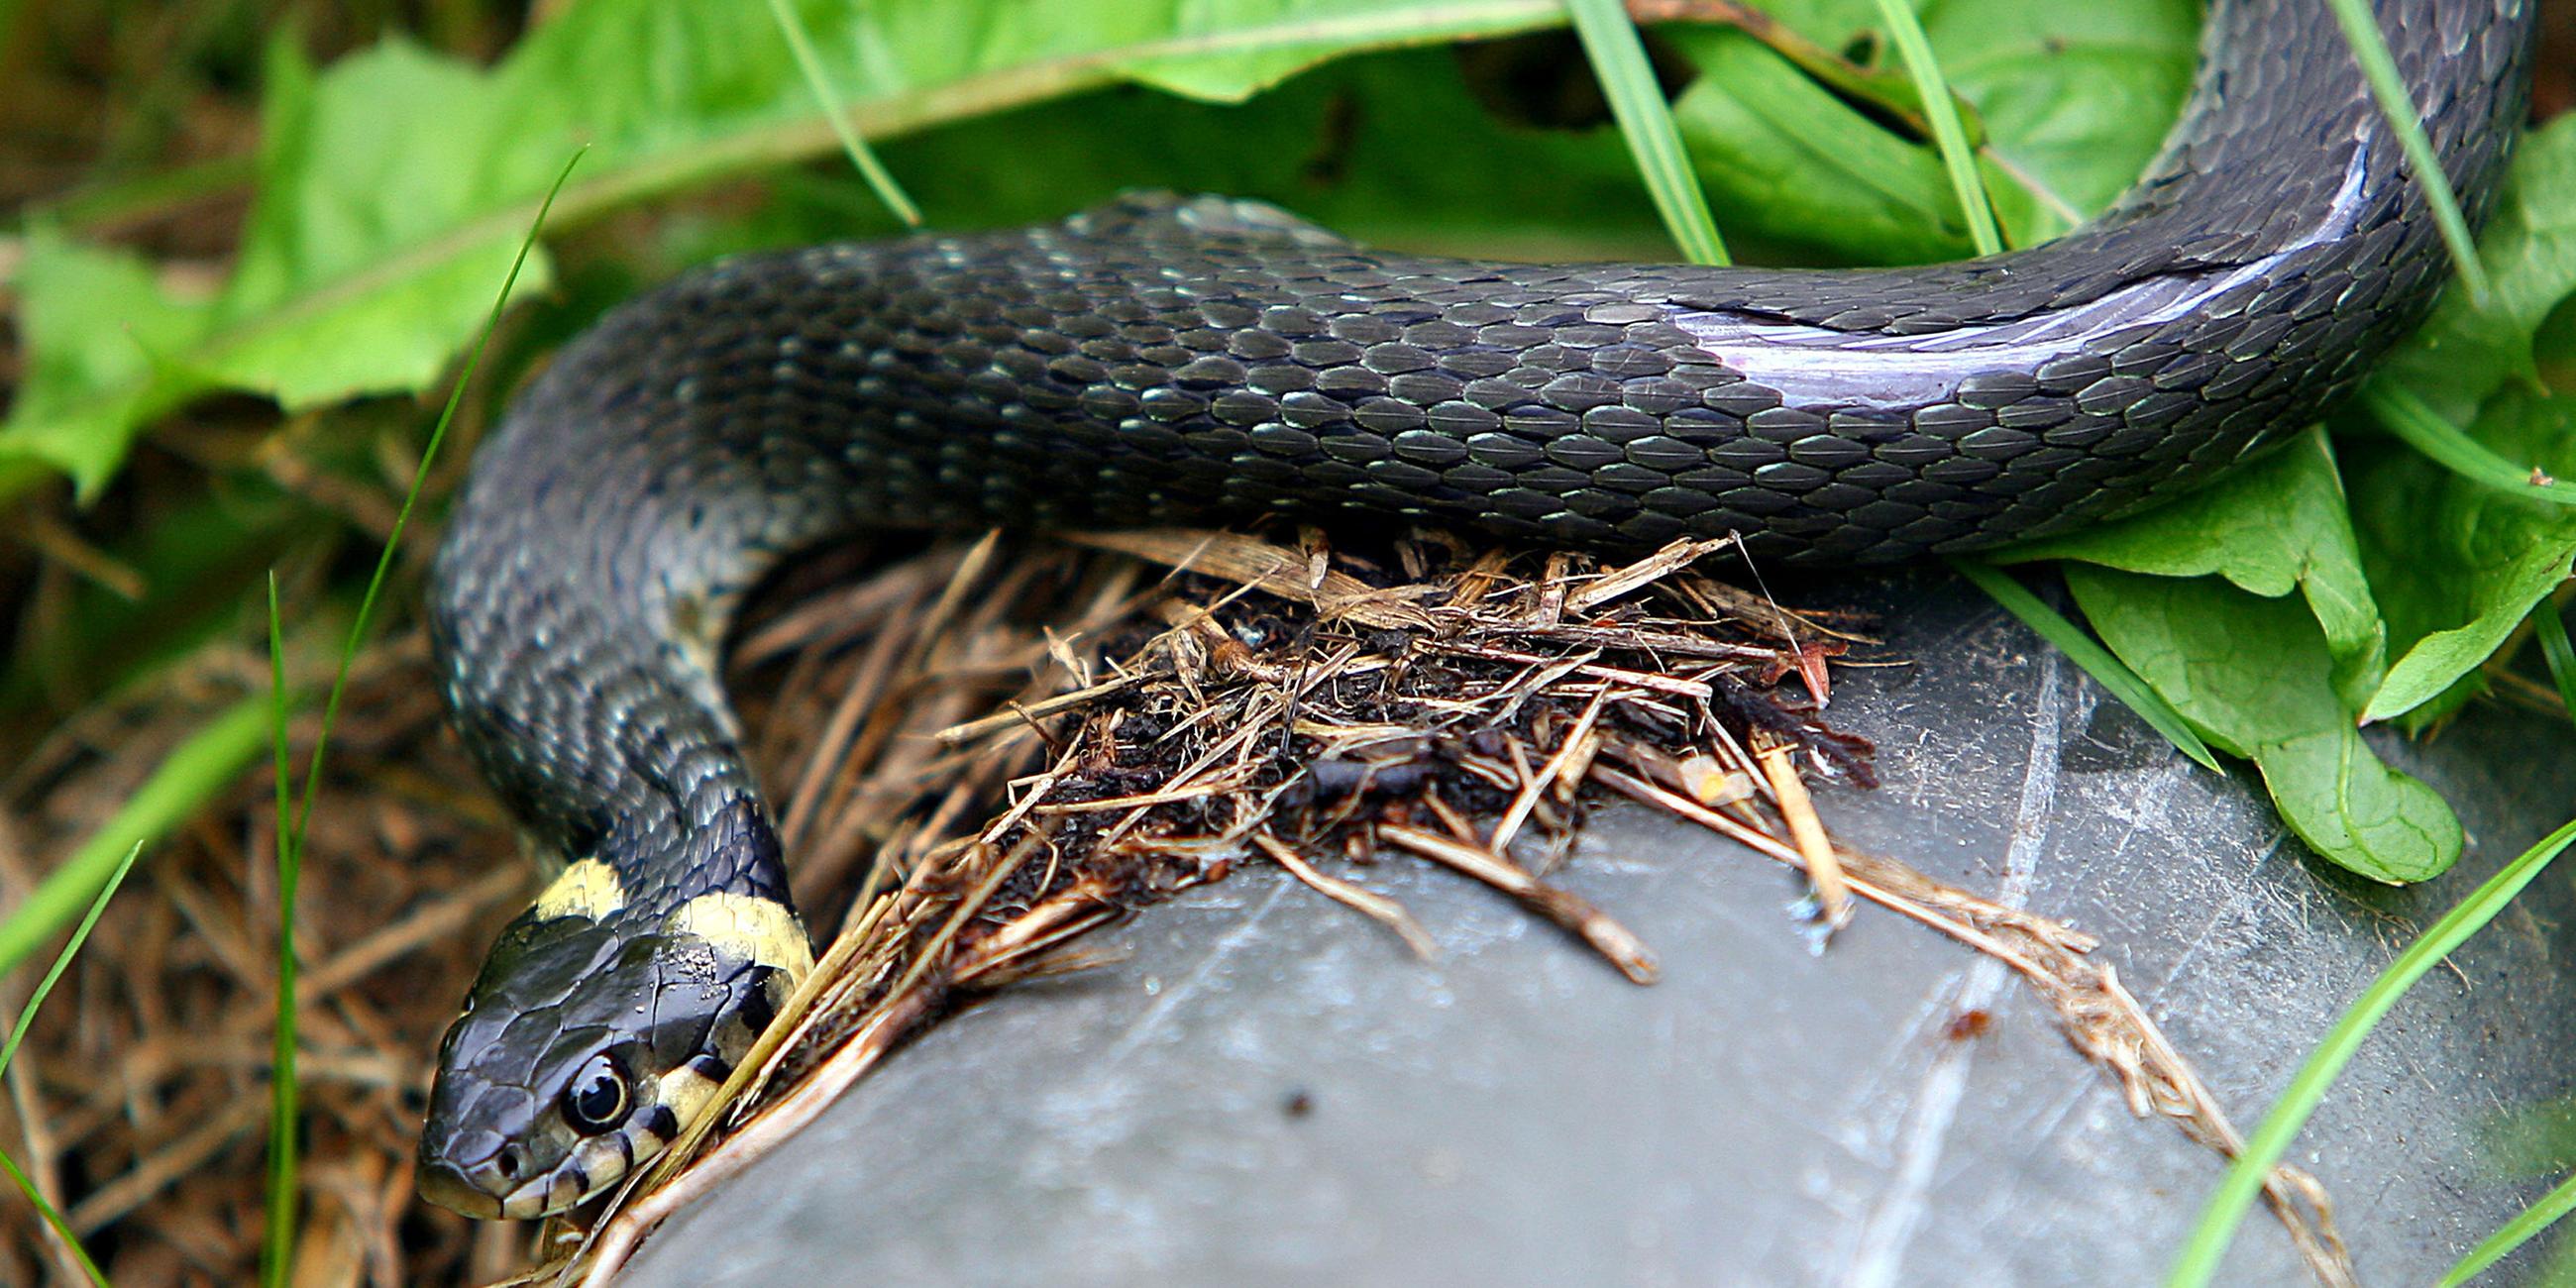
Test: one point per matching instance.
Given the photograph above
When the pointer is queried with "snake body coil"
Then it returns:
(1172, 359)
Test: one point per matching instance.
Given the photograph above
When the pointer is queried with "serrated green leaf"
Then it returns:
(393, 185)
(2254, 678)
(2275, 525)
(102, 340)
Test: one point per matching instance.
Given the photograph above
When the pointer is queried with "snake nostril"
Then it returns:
(508, 1162)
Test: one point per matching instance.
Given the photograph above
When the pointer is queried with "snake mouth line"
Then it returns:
(484, 1187)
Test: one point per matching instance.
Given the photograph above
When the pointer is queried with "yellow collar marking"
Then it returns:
(755, 929)
(589, 888)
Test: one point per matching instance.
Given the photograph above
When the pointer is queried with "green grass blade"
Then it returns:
(2106, 669)
(2370, 49)
(2244, 1179)
(209, 760)
(63, 960)
(277, 1246)
(1942, 112)
(2419, 427)
(838, 114)
(62, 1230)
(2557, 651)
(2512, 1234)
(402, 517)
(1618, 59)
(2555, 648)
(18, 1034)
(277, 1242)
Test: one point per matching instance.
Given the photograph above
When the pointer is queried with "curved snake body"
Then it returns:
(1164, 359)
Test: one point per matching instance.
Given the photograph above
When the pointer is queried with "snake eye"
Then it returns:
(595, 1099)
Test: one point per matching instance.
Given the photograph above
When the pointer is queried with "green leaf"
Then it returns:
(2074, 100)
(1346, 146)
(2457, 564)
(393, 186)
(100, 337)
(1228, 53)
(2274, 525)
(2350, 807)
(2467, 353)
(2254, 677)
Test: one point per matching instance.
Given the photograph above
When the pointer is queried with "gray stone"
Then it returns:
(1269, 1089)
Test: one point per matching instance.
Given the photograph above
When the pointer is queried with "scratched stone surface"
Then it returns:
(1268, 1089)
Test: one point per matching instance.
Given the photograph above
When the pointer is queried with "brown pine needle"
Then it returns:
(1380, 908)
(1564, 907)
(1824, 871)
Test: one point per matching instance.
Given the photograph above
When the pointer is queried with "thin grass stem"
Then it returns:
(2370, 49)
(18, 1034)
(1636, 100)
(1941, 111)
(2106, 669)
(838, 113)
(2227, 1204)
(2420, 427)
(277, 1245)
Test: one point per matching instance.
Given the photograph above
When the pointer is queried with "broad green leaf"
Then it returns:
(103, 341)
(1788, 161)
(2464, 354)
(2275, 525)
(2074, 100)
(1227, 54)
(2253, 676)
(393, 184)
(2350, 807)
(2457, 565)
(1344, 146)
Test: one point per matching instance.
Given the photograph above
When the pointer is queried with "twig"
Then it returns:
(1384, 910)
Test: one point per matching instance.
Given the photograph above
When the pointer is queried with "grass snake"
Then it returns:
(1164, 358)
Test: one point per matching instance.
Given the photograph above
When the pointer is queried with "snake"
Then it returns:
(1168, 358)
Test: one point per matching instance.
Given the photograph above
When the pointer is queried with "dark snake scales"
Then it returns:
(1190, 359)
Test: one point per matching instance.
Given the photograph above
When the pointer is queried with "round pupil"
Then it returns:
(596, 1096)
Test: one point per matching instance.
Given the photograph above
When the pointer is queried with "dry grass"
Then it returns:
(988, 749)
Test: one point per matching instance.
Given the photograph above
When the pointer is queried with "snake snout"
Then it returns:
(474, 1186)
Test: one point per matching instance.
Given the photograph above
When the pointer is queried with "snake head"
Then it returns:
(592, 1038)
